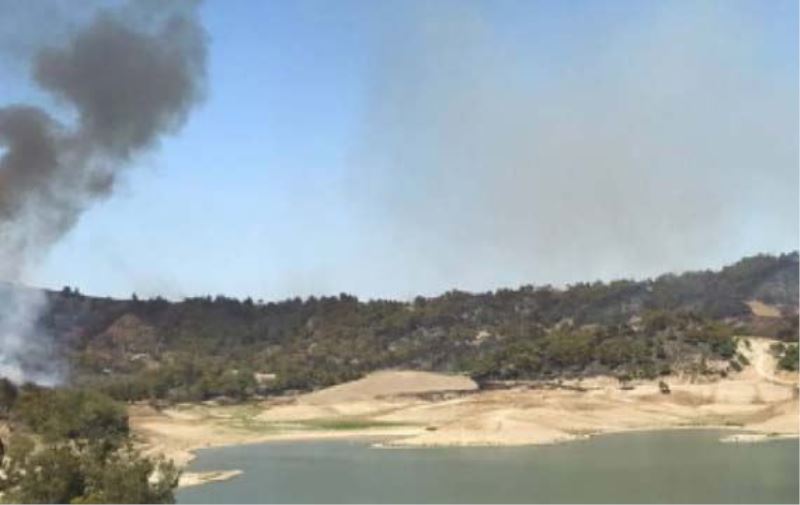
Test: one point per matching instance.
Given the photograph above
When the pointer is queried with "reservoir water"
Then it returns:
(644, 467)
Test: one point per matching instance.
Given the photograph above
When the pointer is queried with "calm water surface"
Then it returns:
(673, 466)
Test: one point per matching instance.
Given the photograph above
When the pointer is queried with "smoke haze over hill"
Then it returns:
(659, 144)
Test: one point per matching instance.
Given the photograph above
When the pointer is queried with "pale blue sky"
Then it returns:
(397, 148)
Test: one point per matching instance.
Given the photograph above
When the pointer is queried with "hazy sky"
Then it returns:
(396, 148)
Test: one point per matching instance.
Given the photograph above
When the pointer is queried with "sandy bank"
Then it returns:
(178, 433)
(415, 409)
(387, 384)
(749, 438)
(196, 478)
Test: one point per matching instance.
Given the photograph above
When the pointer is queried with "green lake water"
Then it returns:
(644, 467)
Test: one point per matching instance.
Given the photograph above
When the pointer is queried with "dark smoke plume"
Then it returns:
(131, 76)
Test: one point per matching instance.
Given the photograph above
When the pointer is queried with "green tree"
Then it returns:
(49, 475)
(72, 414)
(8, 396)
(789, 360)
(124, 476)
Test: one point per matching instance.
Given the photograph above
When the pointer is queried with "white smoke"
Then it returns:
(27, 354)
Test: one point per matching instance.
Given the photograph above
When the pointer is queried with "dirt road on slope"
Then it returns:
(762, 360)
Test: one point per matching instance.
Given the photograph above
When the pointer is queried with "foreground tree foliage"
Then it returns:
(66, 414)
(72, 446)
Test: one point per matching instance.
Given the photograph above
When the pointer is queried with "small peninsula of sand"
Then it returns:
(409, 408)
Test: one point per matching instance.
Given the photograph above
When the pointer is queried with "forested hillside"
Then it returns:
(205, 347)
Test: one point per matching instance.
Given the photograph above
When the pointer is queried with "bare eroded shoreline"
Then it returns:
(420, 409)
